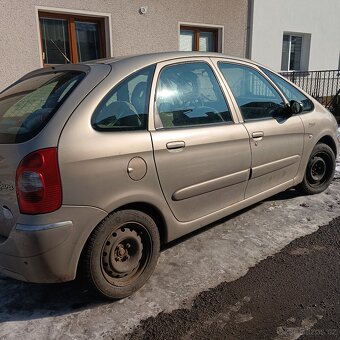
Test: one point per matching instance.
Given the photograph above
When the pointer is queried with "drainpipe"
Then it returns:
(249, 28)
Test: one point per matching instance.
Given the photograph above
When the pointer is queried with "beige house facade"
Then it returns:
(37, 33)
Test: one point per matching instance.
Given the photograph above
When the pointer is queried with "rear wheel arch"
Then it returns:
(153, 212)
(146, 208)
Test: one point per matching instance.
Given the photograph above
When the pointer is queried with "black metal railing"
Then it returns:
(324, 86)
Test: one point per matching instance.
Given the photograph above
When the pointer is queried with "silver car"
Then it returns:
(104, 162)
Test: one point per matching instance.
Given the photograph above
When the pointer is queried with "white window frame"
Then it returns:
(305, 50)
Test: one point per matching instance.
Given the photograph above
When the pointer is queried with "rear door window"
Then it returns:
(26, 107)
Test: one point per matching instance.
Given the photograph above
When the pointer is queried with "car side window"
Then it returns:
(188, 94)
(289, 91)
(255, 96)
(126, 106)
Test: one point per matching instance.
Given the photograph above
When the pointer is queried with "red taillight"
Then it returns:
(38, 182)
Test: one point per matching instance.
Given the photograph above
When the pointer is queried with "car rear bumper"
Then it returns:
(48, 252)
(33, 252)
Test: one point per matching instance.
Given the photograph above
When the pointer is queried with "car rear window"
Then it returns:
(26, 107)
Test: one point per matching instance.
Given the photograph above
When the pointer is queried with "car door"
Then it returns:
(276, 141)
(202, 153)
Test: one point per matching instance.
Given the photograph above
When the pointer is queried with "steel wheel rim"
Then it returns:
(319, 169)
(125, 254)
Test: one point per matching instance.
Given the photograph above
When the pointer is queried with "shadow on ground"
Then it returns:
(26, 301)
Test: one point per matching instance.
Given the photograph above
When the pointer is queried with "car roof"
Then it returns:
(125, 65)
(153, 58)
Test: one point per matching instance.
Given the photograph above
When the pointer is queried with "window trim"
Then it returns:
(156, 118)
(103, 19)
(196, 27)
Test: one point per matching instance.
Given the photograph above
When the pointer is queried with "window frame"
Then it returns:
(290, 49)
(71, 18)
(230, 92)
(158, 126)
(196, 30)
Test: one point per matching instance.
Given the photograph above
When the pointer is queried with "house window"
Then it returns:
(71, 39)
(291, 52)
(198, 39)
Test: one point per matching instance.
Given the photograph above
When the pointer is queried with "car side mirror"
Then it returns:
(295, 107)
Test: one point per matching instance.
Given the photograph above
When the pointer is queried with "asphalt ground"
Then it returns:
(293, 294)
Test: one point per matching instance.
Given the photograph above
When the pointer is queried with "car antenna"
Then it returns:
(67, 59)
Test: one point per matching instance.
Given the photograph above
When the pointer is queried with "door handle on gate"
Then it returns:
(175, 145)
(258, 135)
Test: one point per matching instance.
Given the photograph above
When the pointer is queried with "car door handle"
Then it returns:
(175, 145)
(258, 135)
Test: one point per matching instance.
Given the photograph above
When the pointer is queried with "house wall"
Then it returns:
(318, 18)
(130, 32)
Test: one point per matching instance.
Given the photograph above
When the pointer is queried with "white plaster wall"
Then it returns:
(131, 32)
(320, 18)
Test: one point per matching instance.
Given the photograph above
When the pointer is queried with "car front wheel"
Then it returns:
(320, 170)
(122, 253)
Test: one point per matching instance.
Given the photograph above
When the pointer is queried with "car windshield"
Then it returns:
(26, 107)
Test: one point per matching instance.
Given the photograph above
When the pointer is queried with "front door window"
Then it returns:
(255, 96)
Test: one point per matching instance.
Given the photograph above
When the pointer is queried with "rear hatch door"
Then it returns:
(28, 107)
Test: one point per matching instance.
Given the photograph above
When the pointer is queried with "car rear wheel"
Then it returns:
(122, 253)
(320, 170)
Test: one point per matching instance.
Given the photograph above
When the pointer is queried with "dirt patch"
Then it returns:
(294, 294)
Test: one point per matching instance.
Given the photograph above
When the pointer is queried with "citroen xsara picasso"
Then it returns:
(101, 163)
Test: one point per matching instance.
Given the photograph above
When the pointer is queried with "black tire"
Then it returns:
(122, 253)
(319, 171)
